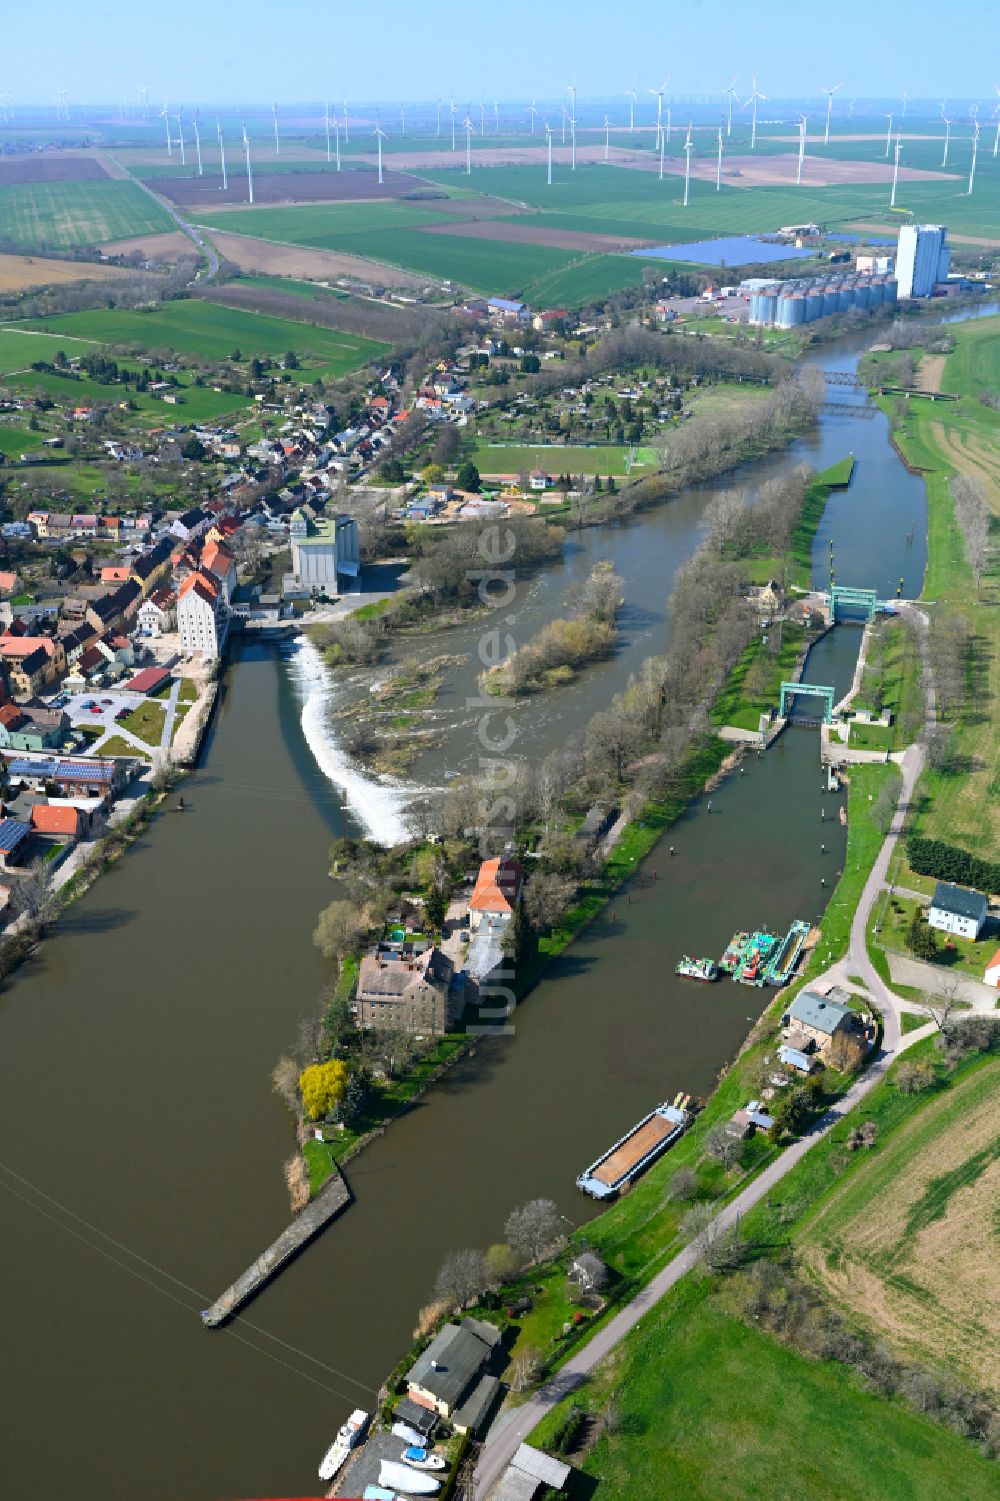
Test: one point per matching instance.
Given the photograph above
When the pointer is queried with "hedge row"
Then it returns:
(932, 857)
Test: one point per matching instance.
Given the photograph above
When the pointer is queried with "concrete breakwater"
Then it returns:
(331, 1199)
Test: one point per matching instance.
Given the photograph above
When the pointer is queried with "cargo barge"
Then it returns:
(636, 1151)
(761, 958)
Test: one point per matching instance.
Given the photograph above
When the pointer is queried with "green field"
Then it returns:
(19, 350)
(214, 332)
(17, 440)
(325, 226)
(292, 288)
(507, 458)
(62, 214)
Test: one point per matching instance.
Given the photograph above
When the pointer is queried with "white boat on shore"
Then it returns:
(422, 1458)
(349, 1435)
(400, 1477)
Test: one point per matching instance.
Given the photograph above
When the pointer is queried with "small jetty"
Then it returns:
(636, 1151)
(331, 1199)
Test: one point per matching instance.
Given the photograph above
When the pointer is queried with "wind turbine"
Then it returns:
(144, 102)
(222, 153)
(402, 120)
(179, 117)
(996, 116)
(496, 115)
(274, 117)
(197, 144)
(754, 97)
(888, 137)
(347, 125)
(439, 104)
(718, 164)
(975, 153)
(659, 107)
(548, 140)
(802, 149)
(246, 153)
(902, 116)
(895, 171)
(336, 137)
(607, 137)
(451, 108)
(631, 96)
(564, 122)
(326, 123)
(731, 95)
(164, 115)
(947, 138)
(380, 136)
(482, 117)
(663, 148)
(468, 127)
(850, 109)
(667, 127)
(532, 113)
(688, 148)
(571, 91)
(829, 108)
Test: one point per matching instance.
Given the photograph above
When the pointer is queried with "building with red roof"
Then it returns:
(497, 891)
(148, 680)
(52, 818)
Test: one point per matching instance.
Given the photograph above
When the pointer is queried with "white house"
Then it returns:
(157, 614)
(992, 973)
(953, 909)
(202, 615)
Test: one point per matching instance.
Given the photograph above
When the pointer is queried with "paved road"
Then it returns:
(171, 714)
(517, 1423)
(204, 247)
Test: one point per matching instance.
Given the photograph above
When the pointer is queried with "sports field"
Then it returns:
(506, 458)
(909, 1242)
(199, 328)
(62, 214)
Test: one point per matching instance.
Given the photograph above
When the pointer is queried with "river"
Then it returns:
(142, 1146)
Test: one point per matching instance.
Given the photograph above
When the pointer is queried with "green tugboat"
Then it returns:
(697, 969)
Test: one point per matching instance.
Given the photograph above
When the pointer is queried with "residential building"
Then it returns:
(421, 994)
(158, 613)
(29, 675)
(326, 550)
(451, 1377)
(115, 608)
(956, 910)
(922, 259)
(17, 646)
(539, 480)
(25, 728)
(151, 567)
(503, 310)
(217, 560)
(818, 1019)
(496, 893)
(191, 523)
(61, 820)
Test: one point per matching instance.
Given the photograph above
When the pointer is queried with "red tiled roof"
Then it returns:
(498, 886)
(48, 819)
(148, 680)
(203, 584)
(10, 715)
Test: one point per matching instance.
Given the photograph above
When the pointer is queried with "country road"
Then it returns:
(516, 1423)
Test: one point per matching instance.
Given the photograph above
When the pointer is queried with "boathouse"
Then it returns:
(452, 1376)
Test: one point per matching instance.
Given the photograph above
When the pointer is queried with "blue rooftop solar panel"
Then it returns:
(26, 768)
(12, 832)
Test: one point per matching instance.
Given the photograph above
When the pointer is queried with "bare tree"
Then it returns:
(464, 1276)
(285, 1081)
(972, 515)
(723, 1146)
(534, 1229)
(525, 1369)
(33, 896)
(719, 1247)
(943, 1004)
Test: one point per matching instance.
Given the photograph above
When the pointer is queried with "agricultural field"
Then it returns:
(20, 349)
(909, 1243)
(62, 214)
(20, 273)
(292, 287)
(514, 458)
(326, 226)
(214, 332)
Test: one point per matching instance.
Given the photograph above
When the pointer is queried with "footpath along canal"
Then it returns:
(142, 1147)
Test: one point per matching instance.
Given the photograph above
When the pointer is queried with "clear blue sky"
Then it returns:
(233, 51)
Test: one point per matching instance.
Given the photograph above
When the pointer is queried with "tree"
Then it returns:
(436, 906)
(192, 449)
(322, 1086)
(921, 940)
(468, 476)
(525, 1369)
(683, 1186)
(291, 360)
(546, 897)
(391, 470)
(530, 364)
(354, 1099)
(463, 1277)
(723, 1146)
(502, 1261)
(720, 1248)
(914, 1078)
(884, 807)
(285, 1081)
(340, 928)
(33, 896)
(848, 1051)
(533, 1229)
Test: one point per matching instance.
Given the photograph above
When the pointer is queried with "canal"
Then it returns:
(142, 1147)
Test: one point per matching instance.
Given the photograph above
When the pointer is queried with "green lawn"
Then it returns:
(892, 682)
(292, 288)
(836, 477)
(193, 327)
(515, 458)
(712, 1410)
(147, 722)
(960, 954)
(741, 706)
(17, 440)
(19, 350)
(62, 214)
(119, 746)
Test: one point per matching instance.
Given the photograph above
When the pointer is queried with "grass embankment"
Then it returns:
(754, 685)
(959, 803)
(705, 1400)
(892, 684)
(837, 477)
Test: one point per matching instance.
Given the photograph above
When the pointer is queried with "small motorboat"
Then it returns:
(409, 1435)
(403, 1478)
(423, 1459)
(349, 1435)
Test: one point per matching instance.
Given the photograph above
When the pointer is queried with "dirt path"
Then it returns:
(930, 372)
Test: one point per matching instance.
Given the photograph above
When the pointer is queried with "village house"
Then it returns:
(815, 1020)
(451, 1377)
(17, 644)
(217, 560)
(496, 893)
(956, 910)
(191, 523)
(503, 310)
(114, 609)
(30, 674)
(420, 994)
(27, 728)
(151, 567)
(158, 614)
(58, 820)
